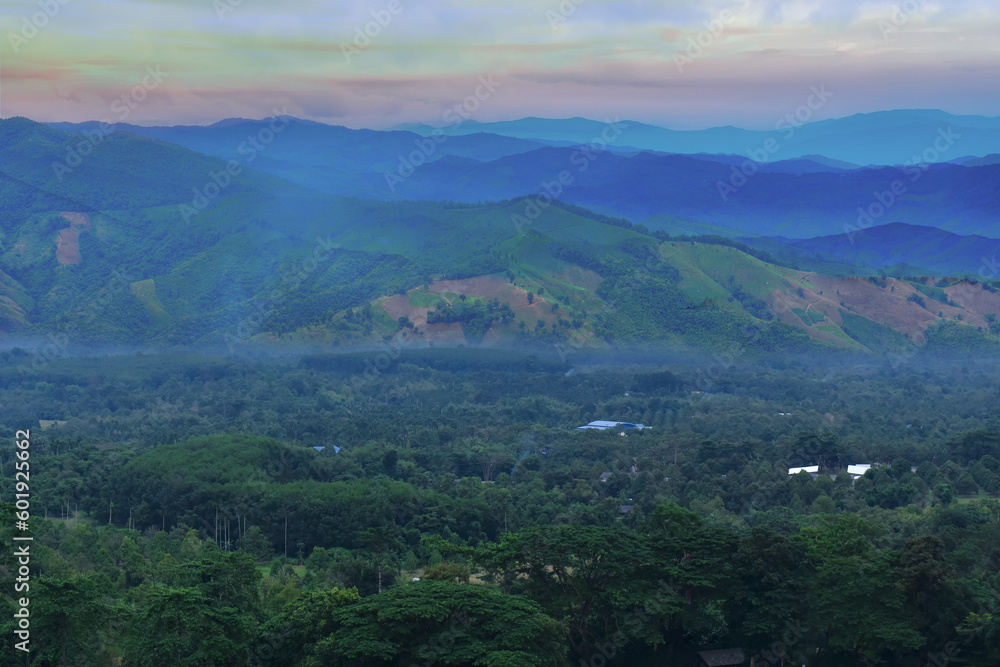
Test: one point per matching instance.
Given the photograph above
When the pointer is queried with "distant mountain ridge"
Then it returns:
(814, 196)
(879, 138)
(769, 201)
(334, 159)
(105, 252)
(893, 244)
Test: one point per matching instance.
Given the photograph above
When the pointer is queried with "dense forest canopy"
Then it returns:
(442, 508)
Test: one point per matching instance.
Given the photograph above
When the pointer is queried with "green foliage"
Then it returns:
(185, 626)
(947, 338)
(933, 291)
(874, 336)
(70, 622)
(255, 543)
(476, 318)
(719, 546)
(442, 623)
(152, 504)
(291, 637)
(860, 607)
(447, 572)
(589, 575)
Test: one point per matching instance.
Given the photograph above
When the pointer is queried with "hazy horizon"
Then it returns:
(379, 64)
(414, 123)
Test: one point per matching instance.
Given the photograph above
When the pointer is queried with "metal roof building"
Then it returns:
(602, 425)
(858, 470)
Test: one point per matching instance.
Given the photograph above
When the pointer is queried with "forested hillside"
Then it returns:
(188, 251)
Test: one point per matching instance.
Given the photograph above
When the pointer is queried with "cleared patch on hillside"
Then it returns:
(486, 287)
(735, 281)
(68, 247)
(68, 241)
(418, 302)
(977, 301)
(145, 291)
(77, 220)
(422, 334)
(481, 287)
(813, 302)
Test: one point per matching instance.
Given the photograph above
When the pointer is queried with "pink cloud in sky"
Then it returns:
(632, 59)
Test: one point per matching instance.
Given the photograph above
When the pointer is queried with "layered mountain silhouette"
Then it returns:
(288, 231)
(934, 251)
(882, 138)
(812, 193)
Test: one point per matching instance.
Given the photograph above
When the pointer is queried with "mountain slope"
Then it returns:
(801, 197)
(325, 157)
(264, 260)
(961, 199)
(886, 246)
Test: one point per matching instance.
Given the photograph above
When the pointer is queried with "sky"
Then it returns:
(381, 63)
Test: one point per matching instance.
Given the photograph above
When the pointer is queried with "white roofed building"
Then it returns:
(602, 425)
(858, 470)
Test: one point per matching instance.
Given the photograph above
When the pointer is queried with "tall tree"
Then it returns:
(767, 607)
(384, 544)
(182, 626)
(441, 623)
(589, 576)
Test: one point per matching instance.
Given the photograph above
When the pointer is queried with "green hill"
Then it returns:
(121, 249)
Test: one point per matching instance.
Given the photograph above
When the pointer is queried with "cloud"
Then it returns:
(607, 56)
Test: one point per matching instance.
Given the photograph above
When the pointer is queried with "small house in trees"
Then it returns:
(603, 425)
(812, 470)
(858, 470)
(855, 470)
